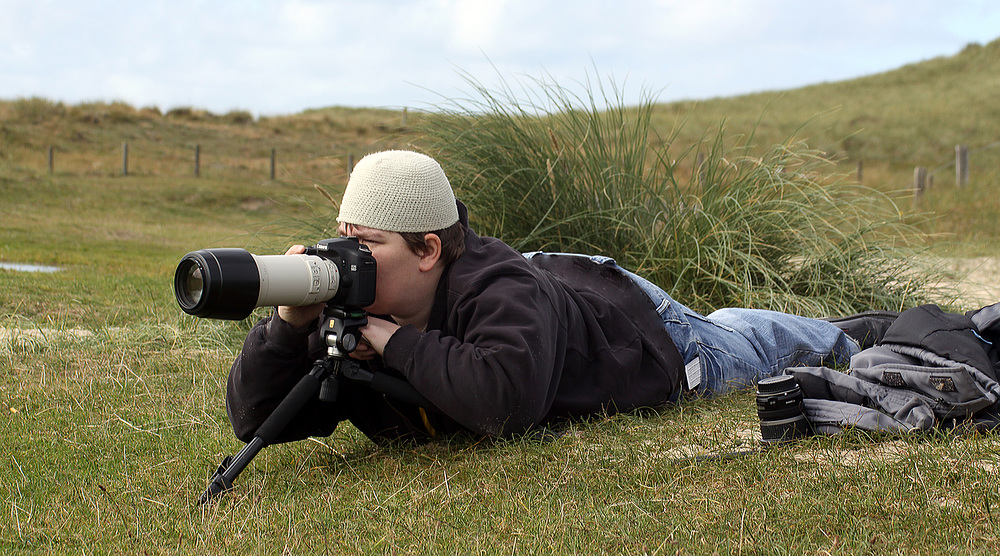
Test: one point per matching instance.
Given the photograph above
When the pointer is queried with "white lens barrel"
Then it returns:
(296, 279)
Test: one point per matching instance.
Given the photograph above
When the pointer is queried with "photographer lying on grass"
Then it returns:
(501, 342)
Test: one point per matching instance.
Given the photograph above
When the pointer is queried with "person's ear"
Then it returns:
(431, 252)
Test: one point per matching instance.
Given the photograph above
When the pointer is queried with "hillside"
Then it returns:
(87, 140)
(890, 122)
(912, 115)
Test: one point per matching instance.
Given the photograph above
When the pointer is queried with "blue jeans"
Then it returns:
(738, 347)
(735, 348)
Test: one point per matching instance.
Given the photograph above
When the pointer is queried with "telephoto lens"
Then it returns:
(781, 411)
(231, 283)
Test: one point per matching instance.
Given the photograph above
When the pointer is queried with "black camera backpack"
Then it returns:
(932, 368)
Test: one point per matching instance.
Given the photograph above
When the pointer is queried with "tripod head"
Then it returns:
(341, 333)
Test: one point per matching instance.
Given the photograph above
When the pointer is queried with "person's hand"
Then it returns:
(298, 317)
(375, 335)
(363, 352)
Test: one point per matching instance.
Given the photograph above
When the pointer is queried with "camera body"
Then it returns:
(230, 283)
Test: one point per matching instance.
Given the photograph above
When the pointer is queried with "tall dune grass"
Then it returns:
(557, 171)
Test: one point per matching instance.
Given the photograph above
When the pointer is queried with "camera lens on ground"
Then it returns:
(780, 408)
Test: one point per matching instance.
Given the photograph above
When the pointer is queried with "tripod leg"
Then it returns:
(306, 389)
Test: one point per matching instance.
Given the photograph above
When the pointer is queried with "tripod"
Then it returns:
(341, 332)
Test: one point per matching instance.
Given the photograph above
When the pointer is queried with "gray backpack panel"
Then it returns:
(954, 390)
(836, 400)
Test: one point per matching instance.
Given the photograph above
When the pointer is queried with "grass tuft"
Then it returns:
(783, 231)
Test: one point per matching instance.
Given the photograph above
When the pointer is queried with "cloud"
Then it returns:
(476, 25)
(285, 56)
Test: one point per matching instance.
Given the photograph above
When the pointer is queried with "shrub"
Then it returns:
(98, 113)
(561, 172)
(35, 110)
(238, 117)
(123, 113)
(187, 113)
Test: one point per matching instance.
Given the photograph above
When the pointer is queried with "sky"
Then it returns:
(282, 57)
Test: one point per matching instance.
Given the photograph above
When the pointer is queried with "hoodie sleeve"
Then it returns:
(497, 372)
(274, 358)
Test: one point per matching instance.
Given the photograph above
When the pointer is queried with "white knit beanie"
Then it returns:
(399, 191)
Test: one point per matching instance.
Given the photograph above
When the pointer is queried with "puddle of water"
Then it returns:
(28, 267)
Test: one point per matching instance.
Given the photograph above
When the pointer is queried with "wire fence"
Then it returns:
(51, 163)
(923, 177)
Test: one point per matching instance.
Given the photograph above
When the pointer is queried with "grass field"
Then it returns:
(891, 123)
(112, 399)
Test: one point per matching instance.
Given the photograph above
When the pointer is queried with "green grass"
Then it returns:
(110, 438)
(116, 240)
(111, 399)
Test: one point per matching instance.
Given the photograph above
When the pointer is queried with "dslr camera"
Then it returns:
(230, 283)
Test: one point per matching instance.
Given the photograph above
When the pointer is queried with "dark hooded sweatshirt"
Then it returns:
(512, 343)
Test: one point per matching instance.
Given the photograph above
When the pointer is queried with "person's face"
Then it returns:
(400, 288)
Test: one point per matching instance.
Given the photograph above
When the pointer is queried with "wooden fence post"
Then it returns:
(273, 156)
(961, 165)
(124, 159)
(919, 183)
(197, 160)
